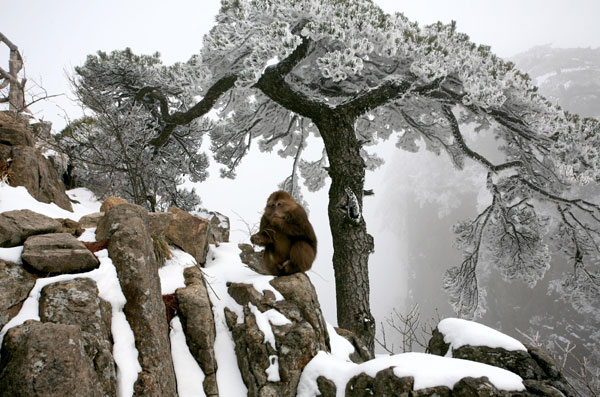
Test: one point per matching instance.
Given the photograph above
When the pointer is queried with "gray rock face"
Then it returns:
(45, 359)
(296, 343)
(219, 226)
(535, 366)
(519, 362)
(28, 167)
(14, 131)
(252, 258)
(195, 312)
(15, 285)
(76, 302)
(31, 169)
(90, 220)
(361, 354)
(474, 387)
(58, 253)
(385, 383)
(131, 250)
(16, 226)
(188, 232)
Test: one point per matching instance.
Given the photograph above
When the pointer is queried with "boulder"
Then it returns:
(90, 220)
(361, 354)
(252, 258)
(437, 391)
(326, 387)
(76, 302)
(195, 312)
(46, 359)
(70, 226)
(15, 285)
(111, 202)
(219, 226)
(535, 366)
(58, 253)
(298, 333)
(385, 383)
(131, 250)
(360, 385)
(518, 361)
(17, 226)
(14, 130)
(474, 387)
(388, 384)
(188, 232)
(29, 168)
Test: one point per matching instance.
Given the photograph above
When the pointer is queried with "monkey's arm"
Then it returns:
(264, 235)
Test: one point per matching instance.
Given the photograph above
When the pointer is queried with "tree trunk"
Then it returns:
(352, 245)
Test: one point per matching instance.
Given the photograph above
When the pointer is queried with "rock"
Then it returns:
(131, 250)
(70, 226)
(388, 384)
(14, 130)
(296, 341)
(554, 377)
(46, 359)
(76, 302)
(58, 253)
(438, 391)
(252, 258)
(16, 226)
(385, 384)
(31, 169)
(326, 387)
(437, 345)
(360, 385)
(15, 285)
(540, 388)
(111, 202)
(517, 361)
(90, 220)
(361, 354)
(219, 226)
(188, 232)
(474, 387)
(195, 312)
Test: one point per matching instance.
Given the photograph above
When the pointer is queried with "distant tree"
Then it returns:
(349, 73)
(109, 150)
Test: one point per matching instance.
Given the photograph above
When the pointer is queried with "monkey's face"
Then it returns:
(279, 205)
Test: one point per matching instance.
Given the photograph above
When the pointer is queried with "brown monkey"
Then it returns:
(287, 235)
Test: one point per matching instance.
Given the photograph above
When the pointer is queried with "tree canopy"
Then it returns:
(111, 146)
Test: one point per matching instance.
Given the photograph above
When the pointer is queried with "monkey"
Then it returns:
(287, 235)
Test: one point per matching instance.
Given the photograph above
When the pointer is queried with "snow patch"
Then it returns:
(458, 332)
(12, 254)
(171, 274)
(427, 370)
(187, 371)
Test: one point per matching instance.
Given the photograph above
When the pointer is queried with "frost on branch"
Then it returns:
(314, 173)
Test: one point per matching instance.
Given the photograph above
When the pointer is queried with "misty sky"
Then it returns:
(55, 36)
